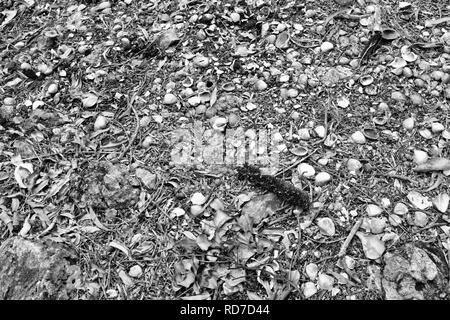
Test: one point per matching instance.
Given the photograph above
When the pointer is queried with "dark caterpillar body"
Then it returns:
(284, 190)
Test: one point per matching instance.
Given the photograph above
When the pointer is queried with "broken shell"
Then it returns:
(389, 34)
(204, 96)
(371, 90)
(229, 86)
(219, 123)
(201, 61)
(407, 54)
(188, 82)
(299, 151)
(398, 63)
(366, 80)
(282, 41)
(370, 133)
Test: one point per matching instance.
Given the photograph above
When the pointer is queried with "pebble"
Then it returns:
(395, 220)
(169, 99)
(200, 61)
(198, 199)
(377, 225)
(194, 101)
(9, 101)
(135, 271)
(235, 17)
(358, 137)
(148, 141)
(353, 165)
(373, 210)
(420, 219)
(325, 282)
(326, 46)
(292, 93)
(420, 156)
(322, 178)
(309, 289)
(306, 170)
(320, 131)
(326, 226)
(437, 127)
(260, 85)
(398, 96)
(312, 270)
(52, 88)
(219, 123)
(416, 99)
(303, 134)
(284, 78)
(100, 123)
(408, 124)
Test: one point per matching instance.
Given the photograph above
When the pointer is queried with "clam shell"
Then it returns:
(389, 34)
(366, 80)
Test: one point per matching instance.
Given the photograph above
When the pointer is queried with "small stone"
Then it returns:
(358, 137)
(9, 101)
(326, 46)
(201, 61)
(260, 85)
(320, 131)
(322, 178)
(395, 220)
(408, 124)
(420, 156)
(437, 127)
(377, 225)
(353, 165)
(312, 270)
(219, 123)
(100, 123)
(235, 17)
(135, 271)
(373, 210)
(416, 99)
(198, 199)
(309, 289)
(325, 282)
(52, 88)
(148, 141)
(400, 209)
(441, 202)
(306, 170)
(170, 99)
(292, 93)
(326, 226)
(398, 96)
(194, 101)
(303, 134)
(420, 219)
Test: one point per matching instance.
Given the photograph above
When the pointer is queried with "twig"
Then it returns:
(350, 236)
(136, 130)
(396, 176)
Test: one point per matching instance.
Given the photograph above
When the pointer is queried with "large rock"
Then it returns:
(36, 270)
